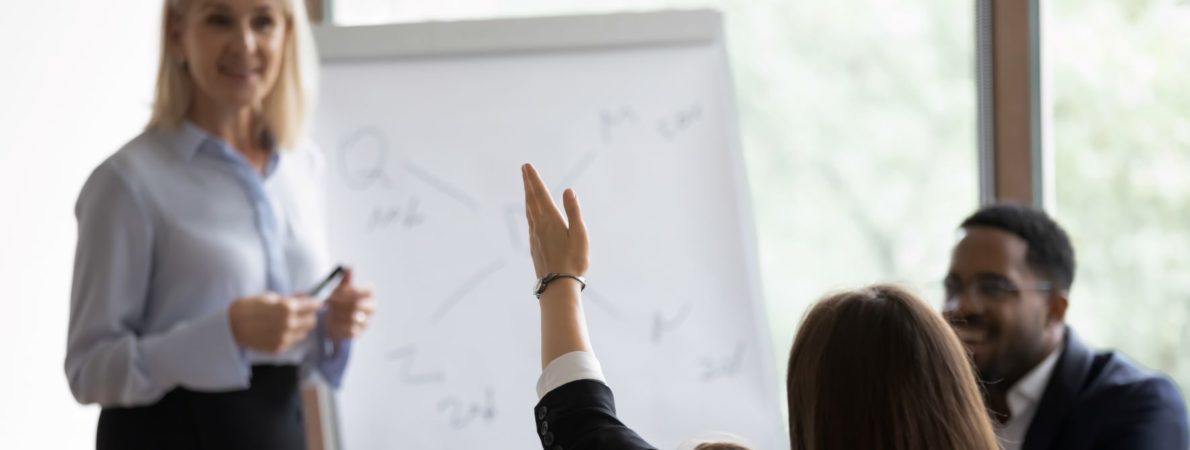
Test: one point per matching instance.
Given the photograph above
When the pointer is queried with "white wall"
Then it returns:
(75, 83)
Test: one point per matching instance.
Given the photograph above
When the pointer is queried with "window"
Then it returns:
(858, 128)
(1121, 143)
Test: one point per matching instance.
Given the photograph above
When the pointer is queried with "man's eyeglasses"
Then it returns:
(989, 289)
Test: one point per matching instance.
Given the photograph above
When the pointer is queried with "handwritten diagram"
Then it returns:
(401, 196)
(366, 161)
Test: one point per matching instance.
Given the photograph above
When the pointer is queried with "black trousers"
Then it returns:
(266, 416)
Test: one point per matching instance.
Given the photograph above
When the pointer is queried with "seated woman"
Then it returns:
(872, 369)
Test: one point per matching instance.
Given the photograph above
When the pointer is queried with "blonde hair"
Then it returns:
(284, 109)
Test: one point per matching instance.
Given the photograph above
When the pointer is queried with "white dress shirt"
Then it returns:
(570, 367)
(1022, 402)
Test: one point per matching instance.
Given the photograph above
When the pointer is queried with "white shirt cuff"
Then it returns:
(570, 367)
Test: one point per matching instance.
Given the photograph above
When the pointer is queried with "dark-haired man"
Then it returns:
(1006, 297)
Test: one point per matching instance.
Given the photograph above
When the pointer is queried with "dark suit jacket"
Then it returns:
(581, 415)
(1102, 401)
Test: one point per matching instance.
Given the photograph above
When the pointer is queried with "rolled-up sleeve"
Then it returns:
(109, 360)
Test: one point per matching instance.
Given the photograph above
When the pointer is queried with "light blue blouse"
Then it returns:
(171, 229)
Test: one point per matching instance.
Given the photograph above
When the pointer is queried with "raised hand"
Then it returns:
(558, 244)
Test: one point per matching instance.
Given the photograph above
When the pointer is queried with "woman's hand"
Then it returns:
(271, 323)
(558, 244)
(559, 248)
(349, 309)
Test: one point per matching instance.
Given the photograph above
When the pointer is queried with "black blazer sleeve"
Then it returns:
(581, 415)
(1151, 417)
(1102, 401)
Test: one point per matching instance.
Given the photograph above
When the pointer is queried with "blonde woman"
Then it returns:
(871, 369)
(197, 238)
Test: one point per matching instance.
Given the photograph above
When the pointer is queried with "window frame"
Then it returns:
(1015, 165)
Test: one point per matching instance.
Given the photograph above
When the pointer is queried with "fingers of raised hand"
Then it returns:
(544, 206)
(574, 214)
(530, 198)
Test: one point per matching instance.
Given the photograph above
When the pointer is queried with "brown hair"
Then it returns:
(877, 369)
(720, 446)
